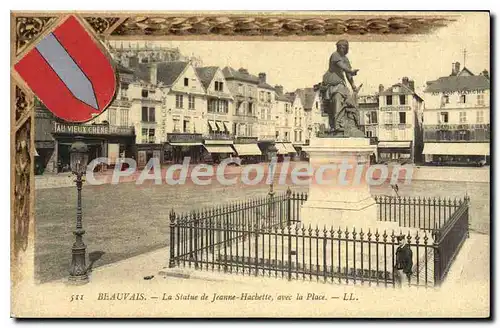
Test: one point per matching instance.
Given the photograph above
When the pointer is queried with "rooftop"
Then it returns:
(239, 75)
(458, 83)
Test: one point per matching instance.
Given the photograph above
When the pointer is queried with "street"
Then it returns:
(125, 220)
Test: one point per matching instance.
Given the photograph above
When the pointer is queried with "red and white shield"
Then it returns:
(69, 73)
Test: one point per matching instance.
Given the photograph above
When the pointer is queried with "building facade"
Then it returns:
(457, 117)
(400, 123)
(243, 86)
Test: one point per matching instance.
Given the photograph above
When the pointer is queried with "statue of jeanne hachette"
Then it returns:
(341, 106)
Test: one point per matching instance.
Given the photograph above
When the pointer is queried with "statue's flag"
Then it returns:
(69, 73)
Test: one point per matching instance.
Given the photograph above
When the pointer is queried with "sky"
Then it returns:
(302, 64)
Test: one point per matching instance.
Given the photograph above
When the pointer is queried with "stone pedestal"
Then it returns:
(339, 194)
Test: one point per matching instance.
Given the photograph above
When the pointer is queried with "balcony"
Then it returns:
(267, 137)
(218, 136)
(396, 108)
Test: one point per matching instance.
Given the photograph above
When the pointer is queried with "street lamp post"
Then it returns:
(79, 158)
(272, 151)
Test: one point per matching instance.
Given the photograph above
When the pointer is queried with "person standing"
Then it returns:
(404, 262)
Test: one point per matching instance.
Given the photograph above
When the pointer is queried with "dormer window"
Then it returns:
(186, 82)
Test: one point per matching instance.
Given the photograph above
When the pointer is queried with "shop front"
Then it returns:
(185, 145)
(285, 149)
(144, 152)
(218, 148)
(395, 151)
(247, 150)
(102, 140)
(453, 153)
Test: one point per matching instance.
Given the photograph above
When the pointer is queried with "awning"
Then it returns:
(394, 144)
(289, 147)
(281, 148)
(185, 144)
(220, 149)
(220, 126)
(212, 125)
(247, 149)
(457, 148)
(226, 124)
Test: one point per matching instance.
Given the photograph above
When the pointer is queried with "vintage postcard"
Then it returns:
(250, 164)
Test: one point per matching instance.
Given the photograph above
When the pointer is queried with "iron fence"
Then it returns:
(263, 237)
(424, 213)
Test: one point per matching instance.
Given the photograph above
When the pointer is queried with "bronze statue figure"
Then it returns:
(340, 104)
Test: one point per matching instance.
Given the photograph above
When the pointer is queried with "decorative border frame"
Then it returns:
(29, 27)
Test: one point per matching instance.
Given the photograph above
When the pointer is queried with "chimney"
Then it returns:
(486, 74)
(153, 70)
(262, 77)
(279, 89)
(380, 88)
(411, 85)
(405, 81)
(455, 68)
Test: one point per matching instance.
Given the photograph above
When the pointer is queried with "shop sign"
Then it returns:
(91, 129)
(184, 137)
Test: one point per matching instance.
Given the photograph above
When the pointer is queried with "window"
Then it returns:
(144, 93)
(185, 126)
(317, 105)
(216, 86)
(179, 101)
(402, 118)
(369, 134)
(388, 100)
(463, 135)
(261, 95)
(151, 136)
(388, 118)
(240, 89)
(112, 116)
(462, 99)
(191, 102)
(367, 118)
(443, 117)
(221, 86)
(176, 125)
(152, 114)
(277, 135)
(463, 117)
(374, 118)
(144, 132)
(480, 99)
(269, 114)
(124, 117)
(148, 114)
(262, 113)
(186, 82)
(268, 97)
(250, 108)
(295, 136)
(446, 99)
(402, 99)
(479, 116)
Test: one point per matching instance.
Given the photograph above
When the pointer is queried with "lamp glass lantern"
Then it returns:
(78, 156)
